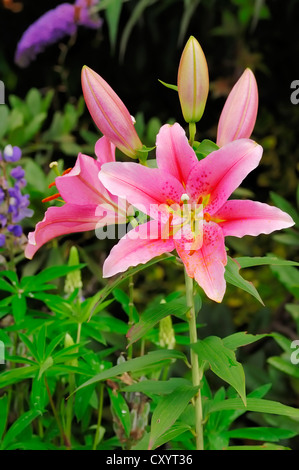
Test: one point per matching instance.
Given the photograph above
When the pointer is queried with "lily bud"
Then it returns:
(193, 81)
(238, 116)
(109, 113)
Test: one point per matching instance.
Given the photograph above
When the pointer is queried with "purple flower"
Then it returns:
(17, 173)
(3, 220)
(12, 154)
(84, 14)
(16, 230)
(2, 195)
(52, 27)
(18, 204)
(2, 240)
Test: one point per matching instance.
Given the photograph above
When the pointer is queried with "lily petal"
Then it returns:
(148, 189)
(221, 172)
(105, 150)
(138, 246)
(239, 113)
(174, 154)
(68, 218)
(81, 185)
(206, 265)
(251, 218)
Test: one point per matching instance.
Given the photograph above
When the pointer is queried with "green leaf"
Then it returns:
(7, 287)
(33, 101)
(261, 434)
(284, 366)
(157, 387)
(289, 277)
(18, 426)
(254, 404)
(168, 85)
(121, 410)
(19, 307)
(139, 363)
(136, 14)
(222, 362)
(265, 446)
(153, 315)
(205, 148)
(112, 13)
(45, 366)
(233, 276)
(285, 206)
(169, 410)
(3, 414)
(248, 262)
(241, 338)
(54, 272)
(4, 113)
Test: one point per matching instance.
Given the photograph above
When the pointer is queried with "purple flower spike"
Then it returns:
(2, 240)
(16, 230)
(2, 195)
(12, 154)
(17, 173)
(3, 220)
(52, 27)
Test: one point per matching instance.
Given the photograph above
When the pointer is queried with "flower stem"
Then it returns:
(131, 310)
(192, 132)
(196, 373)
(100, 413)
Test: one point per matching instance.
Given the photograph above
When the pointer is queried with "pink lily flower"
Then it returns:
(109, 113)
(239, 113)
(88, 204)
(207, 184)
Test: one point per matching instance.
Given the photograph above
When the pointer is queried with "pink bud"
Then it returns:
(109, 113)
(193, 81)
(238, 116)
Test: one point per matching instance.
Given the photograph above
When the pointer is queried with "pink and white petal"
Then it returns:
(105, 150)
(148, 189)
(221, 172)
(138, 246)
(66, 219)
(207, 265)
(174, 154)
(239, 218)
(81, 185)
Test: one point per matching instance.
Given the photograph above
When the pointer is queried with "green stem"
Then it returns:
(131, 310)
(56, 416)
(192, 132)
(196, 373)
(100, 413)
(72, 387)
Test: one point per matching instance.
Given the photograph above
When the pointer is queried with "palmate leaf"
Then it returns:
(18, 426)
(222, 362)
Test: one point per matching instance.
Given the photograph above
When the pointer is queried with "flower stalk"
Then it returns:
(196, 373)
